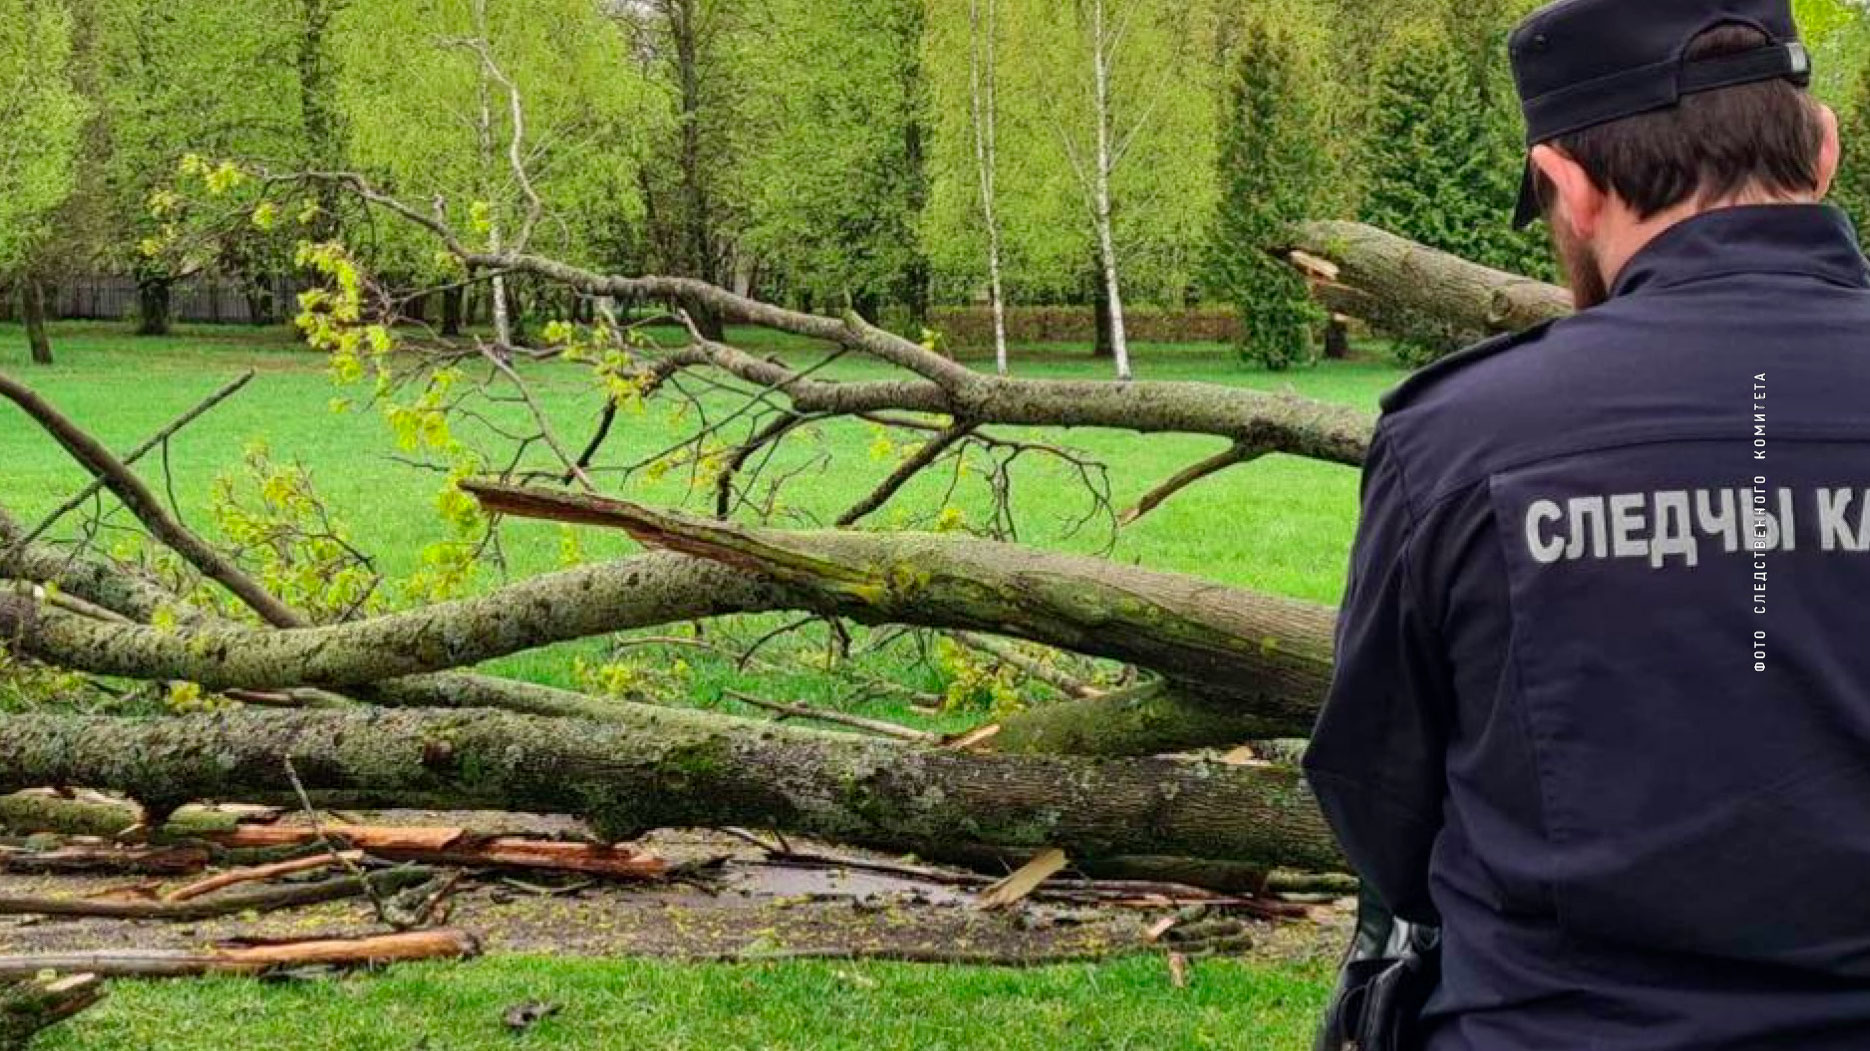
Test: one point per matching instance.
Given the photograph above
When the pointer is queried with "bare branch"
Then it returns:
(914, 464)
(1221, 461)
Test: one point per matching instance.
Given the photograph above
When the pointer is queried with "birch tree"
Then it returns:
(983, 70)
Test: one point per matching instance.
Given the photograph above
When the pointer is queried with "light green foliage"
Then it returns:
(1837, 32)
(1165, 84)
(1851, 191)
(206, 77)
(832, 162)
(412, 94)
(41, 116)
(1271, 168)
(278, 525)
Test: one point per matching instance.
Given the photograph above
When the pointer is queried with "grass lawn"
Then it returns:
(1280, 524)
(647, 1006)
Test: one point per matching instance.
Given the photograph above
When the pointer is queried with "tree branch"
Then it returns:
(91, 454)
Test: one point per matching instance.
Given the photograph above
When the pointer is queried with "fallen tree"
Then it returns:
(1373, 272)
(387, 715)
(681, 771)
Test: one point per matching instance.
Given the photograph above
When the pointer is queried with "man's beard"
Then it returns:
(1579, 260)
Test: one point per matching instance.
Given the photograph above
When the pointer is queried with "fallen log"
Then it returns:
(683, 770)
(29, 1006)
(1244, 665)
(250, 960)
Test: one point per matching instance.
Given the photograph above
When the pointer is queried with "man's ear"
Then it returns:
(1578, 199)
(1829, 151)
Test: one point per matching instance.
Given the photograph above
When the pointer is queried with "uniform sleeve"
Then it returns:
(1376, 757)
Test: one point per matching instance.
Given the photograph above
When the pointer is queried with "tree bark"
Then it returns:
(31, 1003)
(1238, 665)
(1398, 274)
(250, 959)
(32, 310)
(687, 772)
(153, 304)
(451, 310)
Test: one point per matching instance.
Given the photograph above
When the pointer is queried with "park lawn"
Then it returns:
(1281, 525)
(641, 1005)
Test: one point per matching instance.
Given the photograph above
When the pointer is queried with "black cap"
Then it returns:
(1578, 63)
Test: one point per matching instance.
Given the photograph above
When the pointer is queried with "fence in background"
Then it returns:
(111, 298)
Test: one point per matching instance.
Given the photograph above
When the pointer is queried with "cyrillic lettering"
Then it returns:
(1578, 507)
(1544, 551)
(1725, 523)
(1674, 534)
(1626, 520)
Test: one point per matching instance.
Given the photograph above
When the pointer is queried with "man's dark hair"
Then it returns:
(1710, 145)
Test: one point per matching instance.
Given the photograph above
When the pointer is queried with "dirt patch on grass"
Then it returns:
(743, 907)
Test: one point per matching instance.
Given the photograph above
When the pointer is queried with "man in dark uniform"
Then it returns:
(1602, 704)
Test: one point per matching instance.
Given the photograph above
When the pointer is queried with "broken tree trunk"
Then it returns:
(28, 1005)
(1236, 665)
(684, 771)
(1394, 273)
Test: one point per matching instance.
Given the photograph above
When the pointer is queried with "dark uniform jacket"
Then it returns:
(1602, 703)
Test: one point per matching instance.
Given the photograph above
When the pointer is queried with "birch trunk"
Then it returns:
(1102, 208)
(982, 52)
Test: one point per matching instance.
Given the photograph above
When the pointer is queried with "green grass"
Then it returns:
(1281, 525)
(649, 1006)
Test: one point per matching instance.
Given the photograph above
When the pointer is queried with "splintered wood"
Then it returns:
(457, 846)
(250, 959)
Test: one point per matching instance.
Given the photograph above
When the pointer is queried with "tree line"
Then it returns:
(882, 155)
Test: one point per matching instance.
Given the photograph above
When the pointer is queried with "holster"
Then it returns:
(1390, 971)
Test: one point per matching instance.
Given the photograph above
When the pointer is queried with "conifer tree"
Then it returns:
(1270, 168)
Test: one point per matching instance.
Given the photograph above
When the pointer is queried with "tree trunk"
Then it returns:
(1395, 273)
(983, 80)
(1103, 346)
(262, 308)
(32, 310)
(1337, 339)
(1102, 206)
(687, 772)
(451, 310)
(153, 305)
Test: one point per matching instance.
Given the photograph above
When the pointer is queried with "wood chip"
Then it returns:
(1178, 970)
(972, 738)
(1013, 889)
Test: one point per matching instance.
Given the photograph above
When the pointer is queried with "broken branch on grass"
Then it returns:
(257, 899)
(261, 873)
(250, 960)
(130, 458)
(148, 509)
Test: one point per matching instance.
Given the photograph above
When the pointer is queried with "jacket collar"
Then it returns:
(1814, 239)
